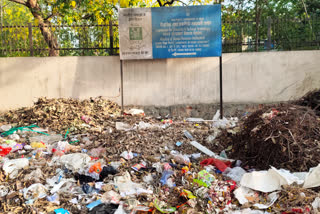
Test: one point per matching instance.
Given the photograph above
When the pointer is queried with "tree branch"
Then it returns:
(19, 2)
(169, 2)
(159, 2)
(50, 16)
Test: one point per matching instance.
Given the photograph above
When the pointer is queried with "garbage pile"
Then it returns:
(311, 100)
(284, 136)
(70, 156)
(62, 114)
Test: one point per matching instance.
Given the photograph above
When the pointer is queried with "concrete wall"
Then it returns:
(248, 78)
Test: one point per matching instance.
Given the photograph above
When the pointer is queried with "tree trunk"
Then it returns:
(44, 28)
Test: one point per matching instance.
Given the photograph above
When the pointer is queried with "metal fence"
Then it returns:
(103, 40)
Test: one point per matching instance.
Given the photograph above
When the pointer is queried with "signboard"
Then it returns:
(170, 32)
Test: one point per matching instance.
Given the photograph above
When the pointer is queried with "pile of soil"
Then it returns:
(312, 100)
(284, 136)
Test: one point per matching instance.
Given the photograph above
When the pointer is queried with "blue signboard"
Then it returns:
(193, 31)
(170, 32)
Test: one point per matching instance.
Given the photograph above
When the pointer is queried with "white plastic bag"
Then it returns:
(11, 167)
(75, 161)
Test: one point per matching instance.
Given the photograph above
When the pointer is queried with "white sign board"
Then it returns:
(135, 30)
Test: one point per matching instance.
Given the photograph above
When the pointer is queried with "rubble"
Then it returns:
(71, 156)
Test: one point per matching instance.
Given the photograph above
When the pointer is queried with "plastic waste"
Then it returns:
(37, 145)
(116, 164)
(179, 143)
(197, 120)
(316, 204)
(34, 176)
(148, 179)
(35, 191)
(143, 125)
(181, 159)
(126, 187)
(87, 188)
(5, 128)
(204, 178)
(222, 166)
(105, 209)
(120, 210)
(269, 181)
(107, 170)
(244, 194)
(95, 168)
(312, 178)
(127, 155)
(205, 150)
(165, 176)
(75, 161)
(46, 139)
(235, 173)
(54, 199)
(97, 152)
(94, 204)
(17, 147)
(5, 150)
(135, 111)
(123, 126)
(224, 122)
(61, 211)
(14, 137)
(86, 118)
(139, 166)
(111, 197)
(11, 167)
(188, 194)
(163, 207)
(4, 190)
(187, 134)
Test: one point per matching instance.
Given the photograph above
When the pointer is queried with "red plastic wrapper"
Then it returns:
(219, 164)
(5, 150)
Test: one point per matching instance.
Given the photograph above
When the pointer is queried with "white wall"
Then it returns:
(247, 77)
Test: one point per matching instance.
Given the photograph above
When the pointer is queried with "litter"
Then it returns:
(11, 167)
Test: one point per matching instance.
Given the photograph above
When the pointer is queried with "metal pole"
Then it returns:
(121, 74)
(30, 39)
(269, 33)
(1, 15)
(221, 97)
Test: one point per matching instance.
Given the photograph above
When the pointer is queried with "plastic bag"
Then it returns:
(111, 197)
(46, 139)
(181, 159)
(75, 161)
(127, 155)
(5, 150)
(11, 167)
(165, 176)
(34, 176)
(35, 191)
(235, 173)
(123, 126)
(222, 166)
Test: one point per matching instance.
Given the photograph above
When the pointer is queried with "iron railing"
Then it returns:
(103, 40)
